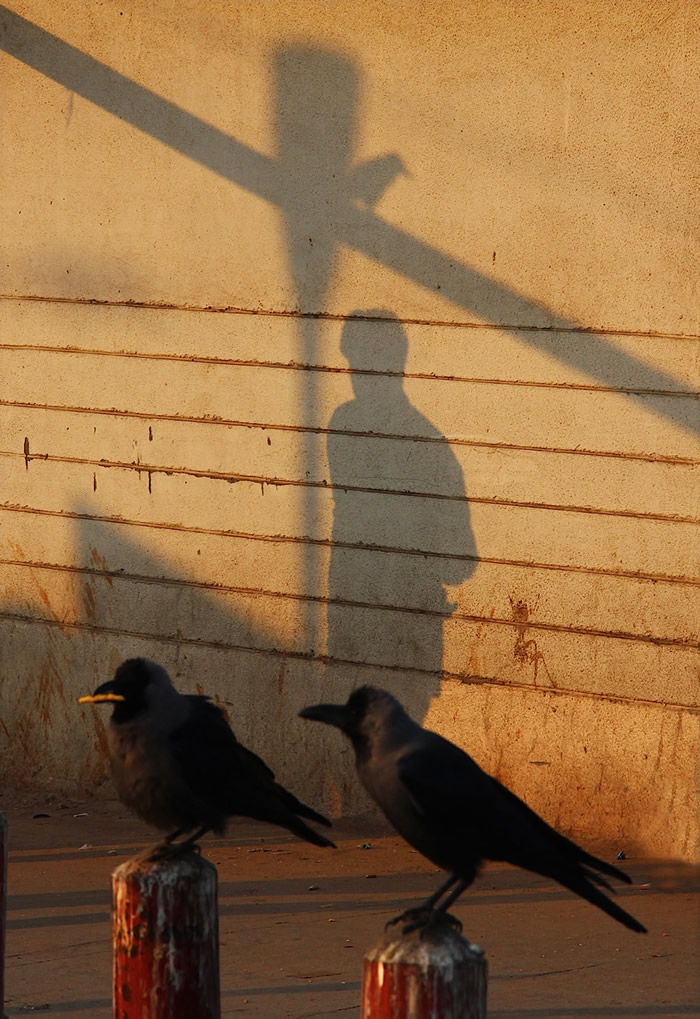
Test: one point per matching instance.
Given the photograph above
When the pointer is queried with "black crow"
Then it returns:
(451, 811)
(177, 764)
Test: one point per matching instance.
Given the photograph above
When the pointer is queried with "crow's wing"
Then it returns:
(224, 774)
(448, 817)
(205, 754)
(475, 812)
(256, 765)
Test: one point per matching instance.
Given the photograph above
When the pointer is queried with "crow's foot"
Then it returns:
(408, 914)
(423, 919)
(169, 851)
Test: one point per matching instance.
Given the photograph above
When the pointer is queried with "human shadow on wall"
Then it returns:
(401, 523)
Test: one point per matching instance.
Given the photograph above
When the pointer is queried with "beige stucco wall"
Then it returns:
(358, 345)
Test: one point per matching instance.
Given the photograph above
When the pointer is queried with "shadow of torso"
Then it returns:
(399, 495)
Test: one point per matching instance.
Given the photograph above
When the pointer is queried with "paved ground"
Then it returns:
(290, 951)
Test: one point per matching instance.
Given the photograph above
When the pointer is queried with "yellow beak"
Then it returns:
(100, 697)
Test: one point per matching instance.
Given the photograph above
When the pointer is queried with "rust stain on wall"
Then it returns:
(526, 650)
(89, 603)
(222, 708)
(49, 691)
(100, 736)
(520, 614)
(100, 562)
(16, 550)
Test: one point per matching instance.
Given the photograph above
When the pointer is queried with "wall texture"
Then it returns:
(344, 348)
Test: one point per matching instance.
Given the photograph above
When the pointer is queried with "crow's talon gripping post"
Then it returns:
(161, 851)
(423, 919)
(437, 918)
(191, 847)
(406, 915)
(449, 919)
(170, 851)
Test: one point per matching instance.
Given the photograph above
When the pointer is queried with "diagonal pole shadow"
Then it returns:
(359, 228)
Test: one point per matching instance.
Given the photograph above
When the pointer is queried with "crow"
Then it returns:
(177, 764)
(451, 811)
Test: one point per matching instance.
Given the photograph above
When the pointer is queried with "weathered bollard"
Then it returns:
(430, 974)
(165, 937)
(3, 908)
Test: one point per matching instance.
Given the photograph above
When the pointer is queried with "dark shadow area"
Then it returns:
(315, 128)
(425, 507)
(92, 1004)
(632, 1011)
(350, 219)
(29, 923)
(89, 1005)
(501, 884)
(305, 988)
(314, 150)
(385, 894)
(366, 897)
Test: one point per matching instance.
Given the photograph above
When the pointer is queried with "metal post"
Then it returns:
(165, 937)
(433, 974)
(3, 908)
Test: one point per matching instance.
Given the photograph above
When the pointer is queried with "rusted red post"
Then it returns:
(433, 974)
(3, 907)
(165, 937)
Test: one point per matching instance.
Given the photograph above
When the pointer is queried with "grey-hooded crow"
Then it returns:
(451, 811)
(177, 764)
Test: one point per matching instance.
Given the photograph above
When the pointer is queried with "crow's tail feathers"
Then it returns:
(290, 800)
(586, 890)
(592, 863)
(275, 809)
(596, 878)
(298, 827)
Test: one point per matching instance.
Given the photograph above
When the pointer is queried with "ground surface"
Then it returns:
(295, 922)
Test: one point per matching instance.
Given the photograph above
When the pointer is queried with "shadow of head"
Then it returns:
(374, 340)
(375, 344)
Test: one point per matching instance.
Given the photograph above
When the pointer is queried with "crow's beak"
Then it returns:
(100, 698)
(101, 695)
(331, 714)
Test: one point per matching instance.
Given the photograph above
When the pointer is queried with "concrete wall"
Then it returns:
(347, 346)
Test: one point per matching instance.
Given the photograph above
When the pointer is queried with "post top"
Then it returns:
(439, 946)
(174, 868)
